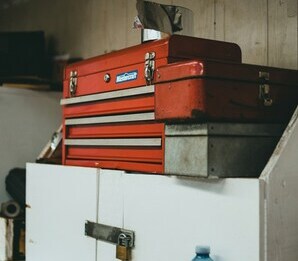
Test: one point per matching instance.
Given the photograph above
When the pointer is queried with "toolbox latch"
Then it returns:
(149, 67)
(264, 94)
(73, 81)
(264, 88)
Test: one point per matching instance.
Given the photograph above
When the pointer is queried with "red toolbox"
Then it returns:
(135, 66)
(221, 91)
(121, 110)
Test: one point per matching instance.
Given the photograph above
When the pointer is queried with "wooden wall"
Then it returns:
(266, 30)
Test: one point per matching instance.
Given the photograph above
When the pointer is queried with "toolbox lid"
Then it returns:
(176, 47)
(225, 71)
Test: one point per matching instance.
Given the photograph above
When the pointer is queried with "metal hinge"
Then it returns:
(149, 67)
(114, 235)
(73, 82)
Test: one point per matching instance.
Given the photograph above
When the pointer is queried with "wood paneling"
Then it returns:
(203, 16)
(133, 36)
(266, 30)
(245, 23)
(282, 25)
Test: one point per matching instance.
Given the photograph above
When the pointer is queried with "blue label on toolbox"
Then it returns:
(128, 76)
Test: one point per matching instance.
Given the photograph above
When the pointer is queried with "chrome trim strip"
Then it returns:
(112, 119)
(109, 95)
(114, 142)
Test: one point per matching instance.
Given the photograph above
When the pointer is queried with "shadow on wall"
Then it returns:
(5, 4)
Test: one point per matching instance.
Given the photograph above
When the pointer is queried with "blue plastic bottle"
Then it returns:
(202, 253)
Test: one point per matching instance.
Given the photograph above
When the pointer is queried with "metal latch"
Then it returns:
(73, 82)
(264, 88)
(108, 234)
(149, 67)
(123, 239)
(264, 94)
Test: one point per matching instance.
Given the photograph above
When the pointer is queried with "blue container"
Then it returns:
(202, 253)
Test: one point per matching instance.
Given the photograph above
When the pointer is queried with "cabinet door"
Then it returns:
(110, 209)
(170, 216)
(59, 201)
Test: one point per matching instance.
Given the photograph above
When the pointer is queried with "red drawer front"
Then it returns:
(133, 154)
(131, 158)
(116, 131)
(116, 106)
(121, 165)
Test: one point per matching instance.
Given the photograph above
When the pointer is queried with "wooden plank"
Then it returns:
(281, 208)
(133, 36)
(6, 239)
(245, 23)
(203, 16)
(112, 25)
(282, 33)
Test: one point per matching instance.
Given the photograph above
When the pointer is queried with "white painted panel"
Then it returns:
(2, 239)
(170, 216)
(110, 209)
(27, 121)
(60, 199)
(281, 211)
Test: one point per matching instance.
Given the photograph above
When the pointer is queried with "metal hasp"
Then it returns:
(264, 88)
(114, 235)
(73, 82)
(149, 67)
(264, 94)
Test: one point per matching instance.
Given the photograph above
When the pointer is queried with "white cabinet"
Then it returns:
(59, 200)
(241, 219)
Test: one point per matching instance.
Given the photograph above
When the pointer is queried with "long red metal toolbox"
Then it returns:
(225, 92)
(116, 107)
(135, 66)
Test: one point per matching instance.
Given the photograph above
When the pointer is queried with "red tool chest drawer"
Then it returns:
(121, 146)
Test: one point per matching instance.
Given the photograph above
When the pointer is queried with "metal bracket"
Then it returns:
(73, 81)
(264, 94)
(149, 67)
(109, 234)
(265, 76)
